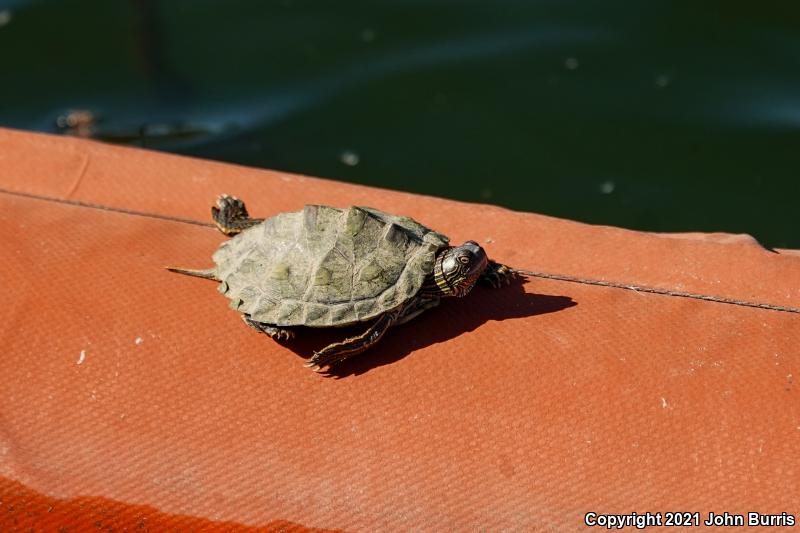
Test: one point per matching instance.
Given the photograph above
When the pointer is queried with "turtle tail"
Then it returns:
(211, 273)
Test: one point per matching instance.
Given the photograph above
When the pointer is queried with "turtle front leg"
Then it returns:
(273, 331)
(339, 351)
(230, 215)
(496, 275)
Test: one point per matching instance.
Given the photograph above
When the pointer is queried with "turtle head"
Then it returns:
(458, 268)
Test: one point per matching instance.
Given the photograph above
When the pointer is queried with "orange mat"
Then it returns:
(131, 397)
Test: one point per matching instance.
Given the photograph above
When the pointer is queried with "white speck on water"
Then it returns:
(664, 403)
(138, 340)
(488, 240)
(571, 63)
(367, 35)
(349, 158)
(82, 357)
(5, 17)
(662, 80)
(607, 187)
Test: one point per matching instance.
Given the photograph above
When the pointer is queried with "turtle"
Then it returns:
(327, 267)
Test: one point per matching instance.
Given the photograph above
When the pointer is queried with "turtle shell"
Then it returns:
(325, 266)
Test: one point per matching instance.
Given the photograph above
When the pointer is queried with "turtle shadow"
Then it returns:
(453, 317)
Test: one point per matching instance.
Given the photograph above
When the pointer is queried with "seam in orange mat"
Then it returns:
(101, 207)
(656, 290)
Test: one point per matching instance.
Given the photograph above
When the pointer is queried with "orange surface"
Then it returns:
(131, 397)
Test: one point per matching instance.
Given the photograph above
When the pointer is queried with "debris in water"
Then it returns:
(82, 358)
(349, 158)
(77, 123)
(138, 340)
(607, 187)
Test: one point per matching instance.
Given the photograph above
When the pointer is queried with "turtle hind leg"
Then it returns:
(230, 215)
(273, 331)
(339, 351)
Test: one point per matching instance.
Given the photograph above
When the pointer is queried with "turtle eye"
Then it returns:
(463, 259)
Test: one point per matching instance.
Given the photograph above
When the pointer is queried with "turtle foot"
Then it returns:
(279, 334)
(339, 351)
(497, 275)
(231, 216)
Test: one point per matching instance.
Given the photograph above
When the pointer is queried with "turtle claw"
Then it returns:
(230, 203)
(283, 334)
(313, 365)
(229, 207)
(280, 334)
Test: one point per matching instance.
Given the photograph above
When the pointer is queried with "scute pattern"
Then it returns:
(325, 266)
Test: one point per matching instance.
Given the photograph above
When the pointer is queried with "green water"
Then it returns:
(666, 116)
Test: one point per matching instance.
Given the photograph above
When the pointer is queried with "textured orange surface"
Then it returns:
(131, 397)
